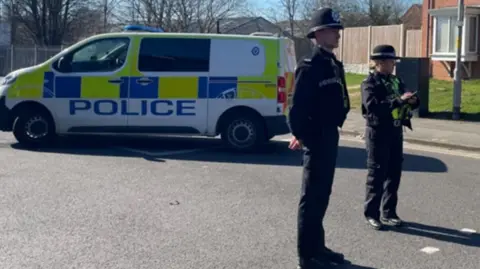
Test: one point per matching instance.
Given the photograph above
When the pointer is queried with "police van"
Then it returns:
(147, 81)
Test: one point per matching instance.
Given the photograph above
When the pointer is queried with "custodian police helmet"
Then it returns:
(324, 18)
(383, 52)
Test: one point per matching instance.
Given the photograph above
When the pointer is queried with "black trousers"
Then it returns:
(319, 161)
(384, 163)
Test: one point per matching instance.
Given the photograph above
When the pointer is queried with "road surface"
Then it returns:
(175, 203)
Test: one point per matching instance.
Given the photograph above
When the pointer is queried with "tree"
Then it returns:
(46, 21)
(353, 12)
(291, 9)
(384, 12)
(181, 15)
(108, 8)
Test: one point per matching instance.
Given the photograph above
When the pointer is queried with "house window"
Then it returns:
(442, 31)
(445, 32)
(472, 33)
(452, 35)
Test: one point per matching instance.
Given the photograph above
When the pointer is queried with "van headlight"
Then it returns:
(9, 79)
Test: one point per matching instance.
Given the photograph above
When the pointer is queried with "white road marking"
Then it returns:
(468, 231)
(430, 250)
(411, 146)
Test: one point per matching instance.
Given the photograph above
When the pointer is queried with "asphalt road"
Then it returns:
(187, 203)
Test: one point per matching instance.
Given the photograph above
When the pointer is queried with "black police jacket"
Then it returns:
(377, 106)
(320, 93)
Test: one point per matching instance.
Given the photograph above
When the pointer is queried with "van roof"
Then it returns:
(197, 35)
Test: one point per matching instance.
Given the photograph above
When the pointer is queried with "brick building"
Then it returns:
(412, 19)
(439, 35)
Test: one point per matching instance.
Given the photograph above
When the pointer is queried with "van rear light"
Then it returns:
(281, 82)
(281, 88)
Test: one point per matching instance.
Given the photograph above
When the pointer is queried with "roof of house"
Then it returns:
(412, 19)
(413, 8)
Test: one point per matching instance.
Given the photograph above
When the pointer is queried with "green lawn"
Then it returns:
(441, 96)
(440, 99)
(354, 80)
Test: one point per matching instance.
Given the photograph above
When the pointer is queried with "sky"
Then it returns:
(263, 6)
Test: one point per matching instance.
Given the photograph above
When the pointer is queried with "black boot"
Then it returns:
(392, 221)
(375, 223)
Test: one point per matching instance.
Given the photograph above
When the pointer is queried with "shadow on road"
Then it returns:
(92, 146)
(277, 153)
(440, 233)
(353, 266)
(274, 153)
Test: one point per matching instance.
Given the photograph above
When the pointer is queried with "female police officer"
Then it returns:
(387, 108)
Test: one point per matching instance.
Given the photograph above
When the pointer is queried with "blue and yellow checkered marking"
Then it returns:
(157, 87)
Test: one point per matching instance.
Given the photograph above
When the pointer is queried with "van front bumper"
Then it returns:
(4, 116)
(277, 125)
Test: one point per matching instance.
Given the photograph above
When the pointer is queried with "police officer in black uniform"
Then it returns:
(386, 106)
(320, 107)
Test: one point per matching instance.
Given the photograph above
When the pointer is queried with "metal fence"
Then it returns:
(16, 57)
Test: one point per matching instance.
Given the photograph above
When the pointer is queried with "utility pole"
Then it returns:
(457, 81)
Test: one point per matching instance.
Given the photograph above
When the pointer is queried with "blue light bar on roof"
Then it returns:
(142, 28)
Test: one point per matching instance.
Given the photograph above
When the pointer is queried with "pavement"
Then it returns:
(440, 133)
(189, 203)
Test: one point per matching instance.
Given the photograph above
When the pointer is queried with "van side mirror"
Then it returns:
(63, 64)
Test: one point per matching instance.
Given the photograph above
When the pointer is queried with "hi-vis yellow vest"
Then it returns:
(400, 113)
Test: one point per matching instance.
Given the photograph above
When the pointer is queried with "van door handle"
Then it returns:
(115, 80)
(144, 81)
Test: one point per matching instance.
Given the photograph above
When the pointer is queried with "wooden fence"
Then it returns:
(356, 43)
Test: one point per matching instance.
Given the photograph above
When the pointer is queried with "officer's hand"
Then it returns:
(295, 144)
(406, 95)
(412, 100)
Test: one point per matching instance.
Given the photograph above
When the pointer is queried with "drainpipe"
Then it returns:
(428, 27)
(429, 32)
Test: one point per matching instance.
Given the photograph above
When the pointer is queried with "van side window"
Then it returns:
(104, 55)
(174, 55)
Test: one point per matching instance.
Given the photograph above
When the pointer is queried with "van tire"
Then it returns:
(33, 128)
(244, 132)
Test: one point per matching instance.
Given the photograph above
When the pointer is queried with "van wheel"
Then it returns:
(33, 128)
(244, 133)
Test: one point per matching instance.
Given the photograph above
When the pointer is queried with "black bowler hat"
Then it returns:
(381, 52)
(324, 18)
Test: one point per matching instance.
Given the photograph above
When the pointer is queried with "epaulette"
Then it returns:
(370, 79)
(304, 63)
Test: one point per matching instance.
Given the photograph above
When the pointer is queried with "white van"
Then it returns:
(146, 82)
